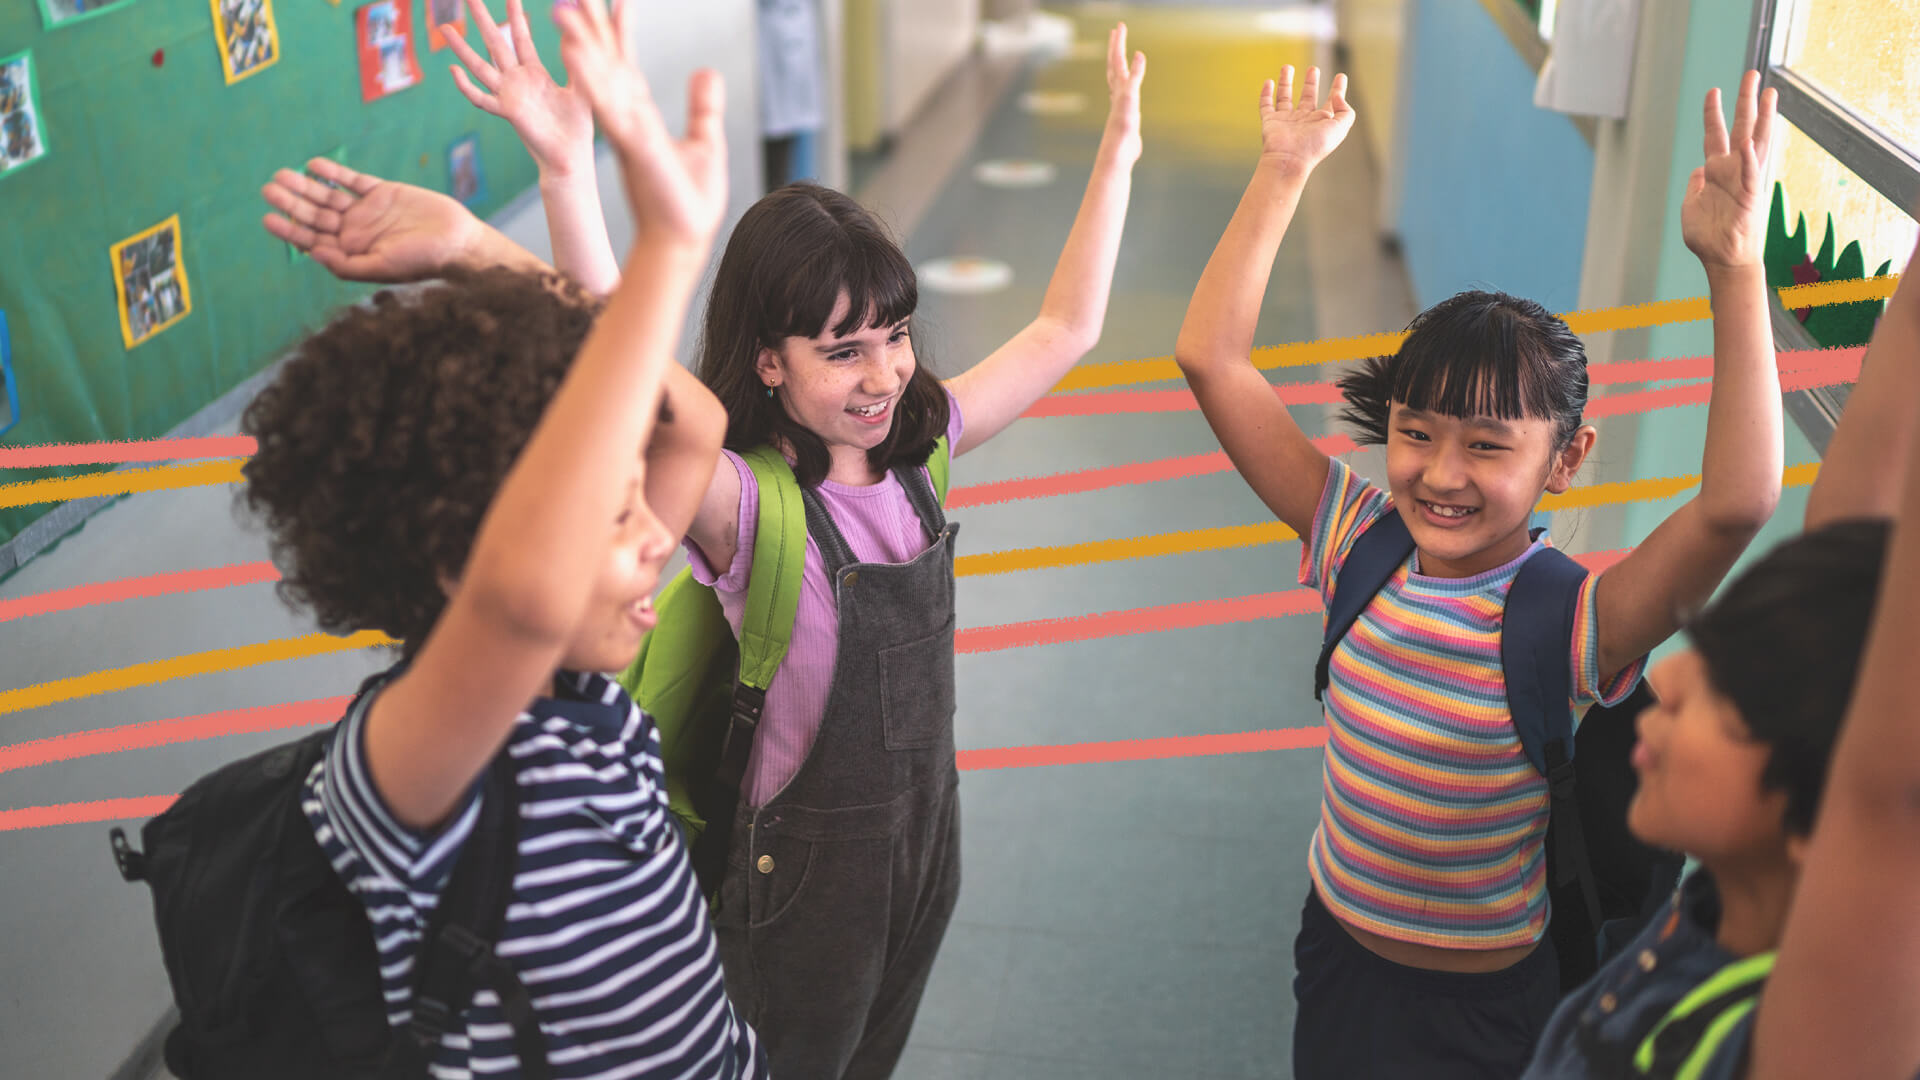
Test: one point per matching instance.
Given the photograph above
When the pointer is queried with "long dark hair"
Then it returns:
(789, 259)
(1475, 354)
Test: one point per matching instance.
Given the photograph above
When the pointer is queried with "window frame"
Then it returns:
(1878, 159)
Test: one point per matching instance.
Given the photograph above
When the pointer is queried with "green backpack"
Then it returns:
(691, 673)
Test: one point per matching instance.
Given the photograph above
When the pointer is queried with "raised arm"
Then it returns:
(1845, 990)
(546, 536)
(994, 392)
(556, 125)
(363, 228)
(1864, 469)
(1215, 346)
(1723, 220)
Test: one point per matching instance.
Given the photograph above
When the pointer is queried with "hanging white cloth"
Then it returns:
(792, 68)
(1589, 68)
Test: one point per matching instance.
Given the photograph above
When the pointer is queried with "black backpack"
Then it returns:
(272, 959)
(1603, 884)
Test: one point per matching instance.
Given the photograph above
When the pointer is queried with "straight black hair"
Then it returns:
(1783, 643)
(1474, 354)
(786, 264)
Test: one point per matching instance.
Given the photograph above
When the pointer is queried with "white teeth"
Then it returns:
(870, 410)
(1450, 511)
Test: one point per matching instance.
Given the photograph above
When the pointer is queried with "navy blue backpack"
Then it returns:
(1603, 884)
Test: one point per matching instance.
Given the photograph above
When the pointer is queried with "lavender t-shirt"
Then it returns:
(880, 526)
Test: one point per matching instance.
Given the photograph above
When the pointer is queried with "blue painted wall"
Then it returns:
(1494, 190)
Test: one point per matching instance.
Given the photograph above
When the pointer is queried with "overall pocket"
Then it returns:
(916, 691)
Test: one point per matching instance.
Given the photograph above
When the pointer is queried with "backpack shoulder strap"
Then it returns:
(456, 954)
(1536, 632)
(1377, 554)
(938, 466)
(779, 554)
(1693, 1032)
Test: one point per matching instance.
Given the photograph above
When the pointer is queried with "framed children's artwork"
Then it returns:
(21, 141)
(440, 13)
(468, 182)
(385, 33)
(150, 281)
(61, 12)
(246, 35)
(11, 414)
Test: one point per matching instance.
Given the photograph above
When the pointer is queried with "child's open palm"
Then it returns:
(552, 120)
(1303, 134)
(366, 228)
(1123, 95)
(676, 187)
(1724, 217)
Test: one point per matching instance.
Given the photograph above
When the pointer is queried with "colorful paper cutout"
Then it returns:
(8, 392)
(385, 33)
(61, 12)
(247, 37)
(440, 13)
(150, 281)
(21, 141)
(468, 181)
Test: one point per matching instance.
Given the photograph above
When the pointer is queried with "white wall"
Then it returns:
(925, 39)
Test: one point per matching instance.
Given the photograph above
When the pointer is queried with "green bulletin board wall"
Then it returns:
(132, 142)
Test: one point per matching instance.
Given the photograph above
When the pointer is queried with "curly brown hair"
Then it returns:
(386, 434)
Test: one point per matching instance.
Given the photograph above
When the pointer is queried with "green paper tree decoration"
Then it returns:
(1787, 263)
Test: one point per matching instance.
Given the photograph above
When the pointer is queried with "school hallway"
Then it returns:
(1138, 733)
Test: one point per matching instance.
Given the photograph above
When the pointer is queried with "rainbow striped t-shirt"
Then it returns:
(1432, 821)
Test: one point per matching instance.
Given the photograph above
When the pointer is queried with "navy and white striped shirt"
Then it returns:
(607, 928)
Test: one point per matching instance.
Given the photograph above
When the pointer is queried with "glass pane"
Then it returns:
(1817, 186)
(1864, 52)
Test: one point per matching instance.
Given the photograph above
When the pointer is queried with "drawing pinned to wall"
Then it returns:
(385, 34)
(151, 281)
(440, 13)
(21, 142)
(469, 181)
(61, 12)
(247, 37)
(9, 396)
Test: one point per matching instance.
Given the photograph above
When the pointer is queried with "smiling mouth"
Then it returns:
(1451, 513)
(874, 411)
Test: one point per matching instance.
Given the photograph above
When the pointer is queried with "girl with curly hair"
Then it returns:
(494, 470)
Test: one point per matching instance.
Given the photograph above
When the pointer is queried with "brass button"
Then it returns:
(765, 864)
(1646, 960)
(1608, 1003)
(852, 576)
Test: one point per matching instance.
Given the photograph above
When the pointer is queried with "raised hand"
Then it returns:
(554, 121)
(1302, 135)
(1123, 96)
(1724, 216)
(677, 187)
(366, 228)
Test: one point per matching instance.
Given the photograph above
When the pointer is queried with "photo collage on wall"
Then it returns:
(440, 13)
(21, 140)
(150, 281)
(55, 13)
(385, 37)
(468, 182)
(245, 32)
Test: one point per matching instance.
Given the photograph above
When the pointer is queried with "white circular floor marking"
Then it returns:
(966, 275)
(1015, 173)
(1053, 102)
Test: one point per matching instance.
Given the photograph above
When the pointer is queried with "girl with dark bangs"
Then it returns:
(843, 858)
(1419, 951)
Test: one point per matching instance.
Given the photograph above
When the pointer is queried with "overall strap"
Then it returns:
(1536, 632)
(1686, 1039)
(1377, 554)
(457, 953)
